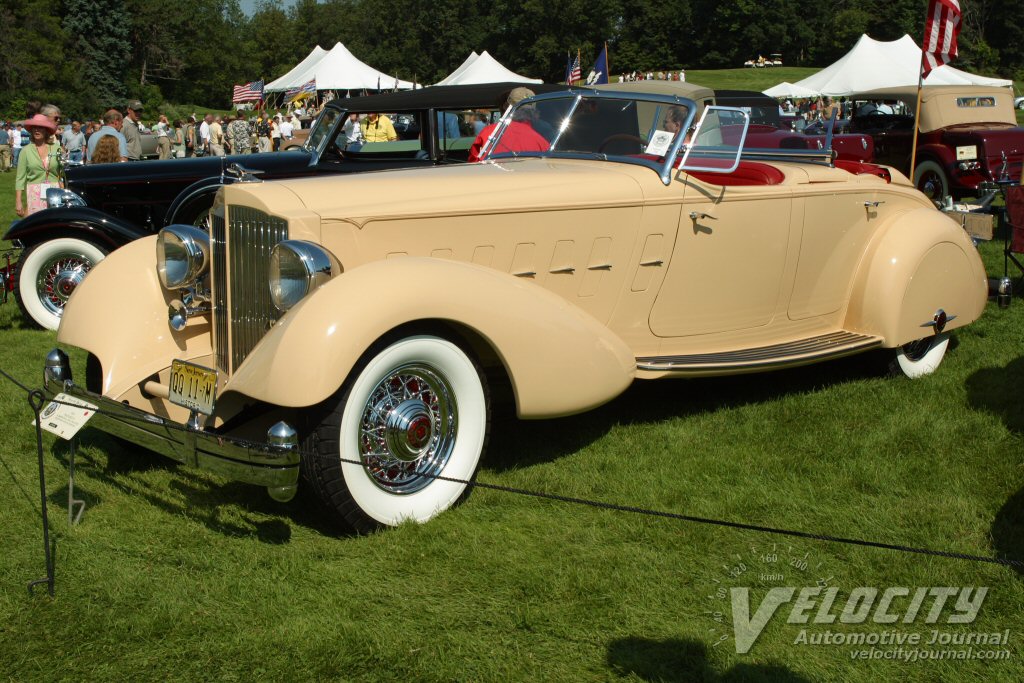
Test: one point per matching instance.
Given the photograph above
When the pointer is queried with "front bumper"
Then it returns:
(274, 464)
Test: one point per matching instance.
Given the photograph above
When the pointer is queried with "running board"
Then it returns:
(799, 352)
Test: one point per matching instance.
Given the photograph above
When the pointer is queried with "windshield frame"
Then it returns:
(663, 169)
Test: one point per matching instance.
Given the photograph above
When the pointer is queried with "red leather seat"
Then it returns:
(747, 173)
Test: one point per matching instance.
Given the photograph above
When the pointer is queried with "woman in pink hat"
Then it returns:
(38, 166)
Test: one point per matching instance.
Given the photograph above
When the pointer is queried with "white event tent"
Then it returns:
(874, 64)
(312, 58)
(450, 78)
(787, 89)
(483, 68)
(337, 69)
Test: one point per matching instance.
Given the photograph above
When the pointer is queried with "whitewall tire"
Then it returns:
(931, 179)
(921, 357)
(49, 272)
(414, 410)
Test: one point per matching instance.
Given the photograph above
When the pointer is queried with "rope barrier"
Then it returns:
(1019, 564)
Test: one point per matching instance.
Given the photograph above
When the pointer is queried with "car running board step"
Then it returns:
(832, 345)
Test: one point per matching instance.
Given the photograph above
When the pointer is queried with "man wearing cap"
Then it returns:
(519, 136)
(112, 124)
(132, 134)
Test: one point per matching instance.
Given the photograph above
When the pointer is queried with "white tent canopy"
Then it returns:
(450, 79)
(484, 69)
(311, 59)
(338, 70)
(874, 64)
(786, 89)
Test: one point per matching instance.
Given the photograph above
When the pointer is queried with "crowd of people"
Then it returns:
(653, 76)
(808, 110)
(39, 146)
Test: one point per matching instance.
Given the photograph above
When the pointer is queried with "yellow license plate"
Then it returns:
(193, 387)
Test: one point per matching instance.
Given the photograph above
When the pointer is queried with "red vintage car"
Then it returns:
(967, 135)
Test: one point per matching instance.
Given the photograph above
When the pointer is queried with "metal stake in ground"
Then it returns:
(35, 400)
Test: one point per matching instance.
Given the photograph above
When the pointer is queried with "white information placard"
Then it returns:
(64, 420)
(659, 144)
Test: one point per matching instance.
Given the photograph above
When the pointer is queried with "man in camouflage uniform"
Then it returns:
(238, 133)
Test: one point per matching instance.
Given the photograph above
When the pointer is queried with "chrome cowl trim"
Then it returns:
(274, 464)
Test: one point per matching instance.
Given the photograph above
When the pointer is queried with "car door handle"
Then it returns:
(654, 262)
(699, 215)
(872, 205)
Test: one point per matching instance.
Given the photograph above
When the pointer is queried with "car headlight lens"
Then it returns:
(182, 255)
(296, 269)
(57, 197)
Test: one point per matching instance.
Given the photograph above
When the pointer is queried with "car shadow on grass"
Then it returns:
(1000, 391)
(684, 661)
(518, 443)
(228, 508)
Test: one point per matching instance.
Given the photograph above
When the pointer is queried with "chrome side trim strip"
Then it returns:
(835, 344)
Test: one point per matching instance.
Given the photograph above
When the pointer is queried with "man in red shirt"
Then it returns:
(519, 136)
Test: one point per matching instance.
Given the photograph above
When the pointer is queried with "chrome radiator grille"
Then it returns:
(242, 309)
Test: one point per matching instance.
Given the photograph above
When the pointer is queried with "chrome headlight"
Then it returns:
(296, 269)
(57, 197)
(182, 255)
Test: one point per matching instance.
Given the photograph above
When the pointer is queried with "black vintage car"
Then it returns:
(105, 206)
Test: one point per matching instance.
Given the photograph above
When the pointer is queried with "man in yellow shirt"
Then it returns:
(377, 128)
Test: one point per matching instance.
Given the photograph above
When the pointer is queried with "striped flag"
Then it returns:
(307, 88)
(940, 33)
(248, 92)
(574, 71)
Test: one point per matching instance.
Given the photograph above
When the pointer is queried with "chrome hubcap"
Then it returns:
(407, 428)
(58, 279)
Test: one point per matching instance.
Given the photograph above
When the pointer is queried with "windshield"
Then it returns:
(593, 124)
(321, 129)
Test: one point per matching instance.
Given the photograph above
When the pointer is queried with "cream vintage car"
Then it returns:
(354, 328)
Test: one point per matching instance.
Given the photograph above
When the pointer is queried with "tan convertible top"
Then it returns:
(947, 105)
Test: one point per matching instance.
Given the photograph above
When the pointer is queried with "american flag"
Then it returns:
(574, 71)
(248, 92)
(940, 32)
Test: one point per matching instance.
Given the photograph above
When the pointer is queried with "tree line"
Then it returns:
(88, 55)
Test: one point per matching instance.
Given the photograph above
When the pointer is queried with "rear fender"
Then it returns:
(560, 359)
(921, 262)
(83, 222)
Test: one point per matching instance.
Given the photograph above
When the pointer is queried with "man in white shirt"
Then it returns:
(204, 133)
(287, 129)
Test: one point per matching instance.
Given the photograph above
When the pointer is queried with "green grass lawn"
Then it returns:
(175, 574)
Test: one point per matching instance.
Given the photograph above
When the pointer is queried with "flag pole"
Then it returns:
(917, 112)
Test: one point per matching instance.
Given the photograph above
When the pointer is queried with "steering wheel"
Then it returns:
(620, 137)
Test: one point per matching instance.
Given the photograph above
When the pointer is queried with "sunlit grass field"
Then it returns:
(174, 574)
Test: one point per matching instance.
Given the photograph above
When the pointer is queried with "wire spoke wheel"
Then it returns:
(409, 412)
(49, 273)
(408, 429)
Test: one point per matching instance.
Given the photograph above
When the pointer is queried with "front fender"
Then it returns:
(560, 359)
(921, 262)
(83, 222)
(202, 191)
